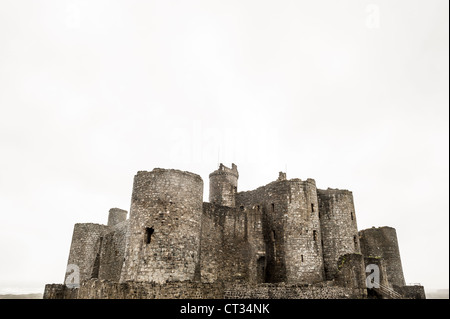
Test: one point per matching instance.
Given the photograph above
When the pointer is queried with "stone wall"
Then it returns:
(116, 216)
(59, 291)
(290, 227)
(412, 292)
(85, 248)
(112, 253)
(339, 227)
(102, 289)
(381, 267)
(351, 272)
(231, 244)
(304, 256)
(382, 242)
(164, 227)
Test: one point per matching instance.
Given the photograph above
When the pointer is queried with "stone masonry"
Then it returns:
(286, 239)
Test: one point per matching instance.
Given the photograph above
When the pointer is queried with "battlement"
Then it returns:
(223, 170)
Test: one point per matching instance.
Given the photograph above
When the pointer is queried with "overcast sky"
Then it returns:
(353, 94)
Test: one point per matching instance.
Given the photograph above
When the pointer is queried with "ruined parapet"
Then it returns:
(164, 227)
(85, 250)
(116, 216)
(281, 176)
(223, 186)
(382, 242)
(339, 227)
(59, 291)
(112, 252)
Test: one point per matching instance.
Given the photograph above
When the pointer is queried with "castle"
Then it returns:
(286, 239)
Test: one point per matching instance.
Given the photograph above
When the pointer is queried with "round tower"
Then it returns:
(382, 242)
(164, 227)
(339, 228)
(223, 186)
(116, 216)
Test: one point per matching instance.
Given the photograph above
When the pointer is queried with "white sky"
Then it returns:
(351, 93)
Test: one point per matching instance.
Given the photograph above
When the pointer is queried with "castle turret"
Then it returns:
(302, 237)
(164, 227)
(382, 242)
(84, 255)
(223, 186)
(339, 228)
(116, 216)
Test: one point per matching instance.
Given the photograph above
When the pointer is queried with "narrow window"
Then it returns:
(273, 207)
(257, 207)
(355, 241)
(312, 208)
(351, 215)
(314, 235)
(302, 257)
(242, 208)
(148, 234)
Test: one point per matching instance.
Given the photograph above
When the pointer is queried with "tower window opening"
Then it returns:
(242, 208)
(351, 215)
(355, 240)
(314, 235)
(273, 207)
(302, 258)
(148, 234)
(312, 208)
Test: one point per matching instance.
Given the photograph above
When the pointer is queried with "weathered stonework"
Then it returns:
(339, 228)
(286, 239)
(223, 186)
(382, 242)
(163, 241)
(85, 249)
(103, 289)
(116, 216)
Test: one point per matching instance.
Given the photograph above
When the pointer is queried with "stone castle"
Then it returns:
(286, 239)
